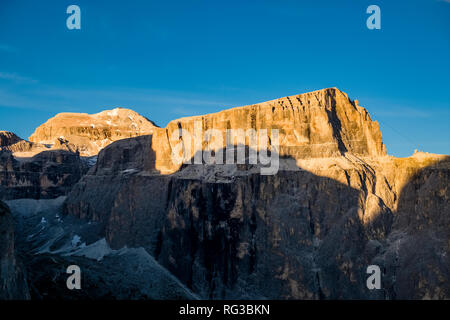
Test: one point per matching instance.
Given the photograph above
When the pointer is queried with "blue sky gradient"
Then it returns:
(169, 59)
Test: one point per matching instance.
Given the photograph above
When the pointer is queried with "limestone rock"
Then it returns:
(323, 123)
(48, 174)
(338, 203)
(21, 148)
(88, 134)
(295, 235)
(8, 138)
(318, 124)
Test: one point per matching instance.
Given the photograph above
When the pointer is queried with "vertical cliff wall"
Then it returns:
(13, 285)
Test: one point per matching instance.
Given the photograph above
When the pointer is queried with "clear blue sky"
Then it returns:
(168, 59)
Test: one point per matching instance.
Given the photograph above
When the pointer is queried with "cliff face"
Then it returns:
(324, 123)
(88, 134)
(13, 285)
(48, 174)
(295, 235)
(337, 205)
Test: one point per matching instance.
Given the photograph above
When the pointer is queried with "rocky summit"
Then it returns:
(336, 205)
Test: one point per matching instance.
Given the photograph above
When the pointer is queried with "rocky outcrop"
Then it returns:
(88, 134)
(13, 285)
(48, 174)
(318, 124)
(337, 205)
(22, 148)
(418, 254)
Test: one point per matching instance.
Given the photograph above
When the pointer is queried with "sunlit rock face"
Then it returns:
(61, 151)
(324, 123)
(337, 204)
(13, 285)
(89, 133)
(319, 124)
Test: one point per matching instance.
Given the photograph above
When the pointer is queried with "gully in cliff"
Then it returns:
(208, 147)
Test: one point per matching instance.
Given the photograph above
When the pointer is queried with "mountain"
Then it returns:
(88, 134)
(323, 123)
(335, 204)
(12, 143)
(48, 174)
(61, 151)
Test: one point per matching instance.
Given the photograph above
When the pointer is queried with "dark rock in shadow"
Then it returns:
(48, 174)
(13, 282)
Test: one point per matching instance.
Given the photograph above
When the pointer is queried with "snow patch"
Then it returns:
(130, 171)
(76, 240)
(96, 251)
